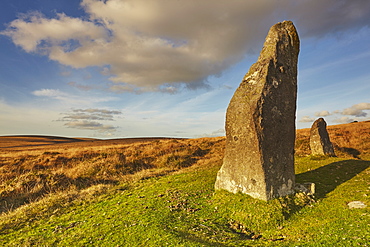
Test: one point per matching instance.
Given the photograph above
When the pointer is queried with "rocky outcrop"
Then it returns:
(260, 121)
(320, 143)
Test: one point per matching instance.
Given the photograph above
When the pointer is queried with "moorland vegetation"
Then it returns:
(159, 191)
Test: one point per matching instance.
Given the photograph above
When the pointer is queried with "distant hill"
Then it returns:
(38, 142)
(349, 140)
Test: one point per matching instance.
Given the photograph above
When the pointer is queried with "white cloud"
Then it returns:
(52, 93)
(344, 120)
(29, 31)
(357, 110)
(306, 119)
(219, 132)
(147, 44)
(71, 99)
(56, 94)
(354, 112)
(91, 125)
(322, 114)
(362, 106)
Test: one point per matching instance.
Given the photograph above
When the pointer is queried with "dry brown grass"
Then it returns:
(30, 172)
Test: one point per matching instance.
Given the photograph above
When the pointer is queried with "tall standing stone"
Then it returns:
(260, 121)
(320, 143)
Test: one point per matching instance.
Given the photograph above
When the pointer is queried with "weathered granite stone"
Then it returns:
(320, 143)
(260, 121)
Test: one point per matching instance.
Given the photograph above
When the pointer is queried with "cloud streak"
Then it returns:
(356, 112)
(91, 125)
(306, 119)
(91, 114)
(149, 45)
(70, 99)
(322, 114)
(51, 93)
(344, 120)
(87, 119)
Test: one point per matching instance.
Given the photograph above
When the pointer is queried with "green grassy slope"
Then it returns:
(182, 209)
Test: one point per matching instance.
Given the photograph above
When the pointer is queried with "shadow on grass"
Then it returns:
(349, 151)
(327, 178)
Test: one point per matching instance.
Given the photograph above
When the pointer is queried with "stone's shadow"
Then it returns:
(351, 151)
(327, 178)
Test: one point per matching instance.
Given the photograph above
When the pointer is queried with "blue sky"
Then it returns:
(128, 68)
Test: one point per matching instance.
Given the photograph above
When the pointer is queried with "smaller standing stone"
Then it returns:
(320, 143)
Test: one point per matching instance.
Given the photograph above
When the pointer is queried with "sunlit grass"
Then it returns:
(183, 210)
